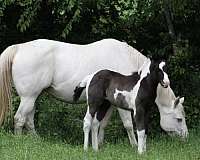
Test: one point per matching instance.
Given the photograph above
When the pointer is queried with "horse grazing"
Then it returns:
(136, 92)
(57, 68)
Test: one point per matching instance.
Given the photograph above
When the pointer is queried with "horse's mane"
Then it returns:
(137, 57)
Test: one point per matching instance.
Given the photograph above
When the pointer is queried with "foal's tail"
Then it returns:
(81, 86)
(6, 61)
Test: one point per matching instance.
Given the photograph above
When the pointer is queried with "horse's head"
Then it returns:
(157, 70)
(172, 115)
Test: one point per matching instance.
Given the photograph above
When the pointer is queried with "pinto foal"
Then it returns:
(135, 92)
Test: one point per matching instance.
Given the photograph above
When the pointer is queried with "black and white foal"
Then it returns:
(135, 92)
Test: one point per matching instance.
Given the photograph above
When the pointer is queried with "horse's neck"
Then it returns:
(137, 58)
(164, 99)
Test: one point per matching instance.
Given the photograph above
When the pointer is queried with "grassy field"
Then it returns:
(158, 148)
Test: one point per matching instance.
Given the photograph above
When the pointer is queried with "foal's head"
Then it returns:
(158, 74)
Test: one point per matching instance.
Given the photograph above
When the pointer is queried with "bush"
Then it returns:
(185, 78)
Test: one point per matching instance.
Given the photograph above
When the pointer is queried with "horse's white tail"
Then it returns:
(6, 60)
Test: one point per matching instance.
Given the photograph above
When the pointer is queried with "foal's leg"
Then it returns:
(103, 125)
(26, 107)
(141, 141)
(127, 122)
(141, 128)
(101, 111)
(95, 128)
(86, 128)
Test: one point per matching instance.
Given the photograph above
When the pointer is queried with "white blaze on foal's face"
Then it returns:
(165, 81)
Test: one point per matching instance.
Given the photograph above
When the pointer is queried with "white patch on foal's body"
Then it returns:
(131, 96)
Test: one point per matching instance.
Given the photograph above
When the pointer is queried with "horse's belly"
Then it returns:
(65, 91)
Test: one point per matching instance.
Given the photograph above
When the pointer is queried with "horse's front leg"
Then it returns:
(128, 124)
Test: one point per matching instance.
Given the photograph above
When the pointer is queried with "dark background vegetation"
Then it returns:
(167, 28)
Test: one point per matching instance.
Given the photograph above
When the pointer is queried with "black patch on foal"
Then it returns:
(102, 88)
(146, 96)
(102, 110)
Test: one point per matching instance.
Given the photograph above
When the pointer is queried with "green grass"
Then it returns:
(158, 148)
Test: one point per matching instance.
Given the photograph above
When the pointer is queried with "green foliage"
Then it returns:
(66, 13)
(30, 10)
(185, 80)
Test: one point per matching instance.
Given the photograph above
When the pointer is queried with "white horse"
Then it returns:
(58, 66)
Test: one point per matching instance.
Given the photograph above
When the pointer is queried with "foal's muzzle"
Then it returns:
(163, 84)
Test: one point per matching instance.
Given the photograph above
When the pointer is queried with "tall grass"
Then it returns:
(158, 148)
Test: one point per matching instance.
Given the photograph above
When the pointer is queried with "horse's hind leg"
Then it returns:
(25, 108)
(127, 122)
(29, 124)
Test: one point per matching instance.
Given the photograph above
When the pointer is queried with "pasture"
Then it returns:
(160, 147)
(164, 29)
(61, 138)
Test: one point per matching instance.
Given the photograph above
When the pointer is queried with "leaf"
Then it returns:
(103, 20)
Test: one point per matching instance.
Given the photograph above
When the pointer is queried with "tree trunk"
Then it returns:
(168, 16)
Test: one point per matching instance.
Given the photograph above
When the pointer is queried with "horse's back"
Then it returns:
(43, 63)
(74, 62)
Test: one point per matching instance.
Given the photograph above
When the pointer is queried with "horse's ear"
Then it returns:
(176, 102)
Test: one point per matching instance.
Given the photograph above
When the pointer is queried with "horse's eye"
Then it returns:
(179, 120)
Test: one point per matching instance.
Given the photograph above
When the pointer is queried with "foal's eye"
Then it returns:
(165, 68)
(179, 120)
